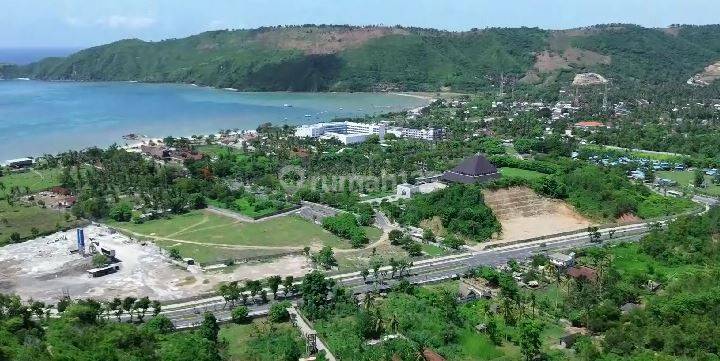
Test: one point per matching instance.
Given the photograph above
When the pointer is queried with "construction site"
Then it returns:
(524, 214)
(64, 264)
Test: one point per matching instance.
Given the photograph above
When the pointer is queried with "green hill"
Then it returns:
(322, 58)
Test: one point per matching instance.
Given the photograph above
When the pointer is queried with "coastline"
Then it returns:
(205, 114)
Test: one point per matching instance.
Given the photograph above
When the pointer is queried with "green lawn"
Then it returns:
(377, 194)
(637, 153)
(243, 340)
(22, 219)
(216, 149)
(520, 173)
(433, 250)
(35, 180)
(208, 255)
(686, 178)
(209, 228)
(628, 259)
(214, 231)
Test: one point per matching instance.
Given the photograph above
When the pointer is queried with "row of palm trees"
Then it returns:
(133, 307)
(232, 292)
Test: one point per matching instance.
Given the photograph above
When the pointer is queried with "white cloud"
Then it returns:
(126, 22)
(113, 22)
(73, 21)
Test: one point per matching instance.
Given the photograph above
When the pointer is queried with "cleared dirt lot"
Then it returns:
(524, 214)
(42, 268)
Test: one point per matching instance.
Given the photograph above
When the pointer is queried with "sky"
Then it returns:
(82, 23)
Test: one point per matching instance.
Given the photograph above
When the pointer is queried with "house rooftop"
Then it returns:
(473, 169)
(589, 123)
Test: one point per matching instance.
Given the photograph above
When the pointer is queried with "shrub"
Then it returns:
(278, 312)
(453, 242)
(345, 225)
(240, 315)
(121, 212)
(100, 260)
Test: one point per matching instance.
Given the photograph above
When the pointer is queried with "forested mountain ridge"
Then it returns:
(326, 58)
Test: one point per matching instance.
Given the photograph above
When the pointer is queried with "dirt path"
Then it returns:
(205, 219)
(383, 239)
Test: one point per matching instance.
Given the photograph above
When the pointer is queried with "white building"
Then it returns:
(406, 190)
(345, 132)
(424, 134)
(352, 132)
(19, 163)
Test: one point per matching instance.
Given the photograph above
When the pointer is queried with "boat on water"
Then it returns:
(308, 116)
(286, 105)
(23, 78)
(231, 89)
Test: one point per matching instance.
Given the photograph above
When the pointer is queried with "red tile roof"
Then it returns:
(589, 124)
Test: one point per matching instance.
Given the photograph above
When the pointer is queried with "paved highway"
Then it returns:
(189, 314)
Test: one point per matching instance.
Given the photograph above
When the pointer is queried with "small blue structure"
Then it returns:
(81, 240)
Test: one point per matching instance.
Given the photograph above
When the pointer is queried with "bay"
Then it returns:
(49, 117)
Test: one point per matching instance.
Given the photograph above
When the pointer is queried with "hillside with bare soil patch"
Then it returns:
(324, 41)
(707, 76)
(524, 214)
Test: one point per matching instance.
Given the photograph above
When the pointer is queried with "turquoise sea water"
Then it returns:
(50, 117)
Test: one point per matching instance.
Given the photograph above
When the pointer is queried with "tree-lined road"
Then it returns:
(188, 314)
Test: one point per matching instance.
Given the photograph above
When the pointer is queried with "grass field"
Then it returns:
(22, 219)
(637, 153)
(209, 228)
(215, 149)
(239, 339)
(433, 250)
(208, 255)
(627, 259)
(520, 173)
(377, 194)
(209, 232)
(35, 180)
(686, 178)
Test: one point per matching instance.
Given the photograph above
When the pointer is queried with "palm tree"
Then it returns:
(157, 307)
(378, 322)
(393, 324)
(127, 305)
(532, 303)
(116, 306)
(142, 306)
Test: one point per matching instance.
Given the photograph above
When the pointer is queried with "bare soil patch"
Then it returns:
(524, 214)
(324, 41)
(43, 268)
(707, 76)
(550, 61)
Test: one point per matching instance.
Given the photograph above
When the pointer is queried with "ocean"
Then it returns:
(49, 117)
